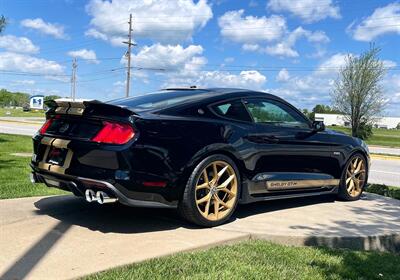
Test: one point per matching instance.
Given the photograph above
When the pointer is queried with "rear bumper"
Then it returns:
(78, 185)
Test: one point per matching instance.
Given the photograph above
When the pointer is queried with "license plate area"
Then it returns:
(57, 156)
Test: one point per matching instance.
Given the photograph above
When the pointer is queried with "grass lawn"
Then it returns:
(15, 170)
(262, 260)
(20, 113)
(380, 137)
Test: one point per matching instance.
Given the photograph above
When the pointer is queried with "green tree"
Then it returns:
(358, 93)
(3, 23)
(8, 98)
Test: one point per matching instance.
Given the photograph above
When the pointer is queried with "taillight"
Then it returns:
(114, 133)
(45, 126)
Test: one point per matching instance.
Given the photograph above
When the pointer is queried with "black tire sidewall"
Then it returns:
(189, 198)
(343, 193)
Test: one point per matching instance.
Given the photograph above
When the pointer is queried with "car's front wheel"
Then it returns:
(354, 178)
(211, 192)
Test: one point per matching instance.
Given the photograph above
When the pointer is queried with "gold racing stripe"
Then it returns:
(47, 140)
(300, 184)
(60, 143)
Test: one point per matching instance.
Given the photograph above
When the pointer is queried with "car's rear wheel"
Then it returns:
(354, 178)
(212, 192)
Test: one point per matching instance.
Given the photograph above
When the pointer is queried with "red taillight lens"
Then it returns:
(114, 133)
(45, 126)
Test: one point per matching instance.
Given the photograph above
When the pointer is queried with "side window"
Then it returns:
(274, 113)
(234, 110)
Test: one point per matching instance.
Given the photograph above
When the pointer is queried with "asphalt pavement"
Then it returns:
(11, 127)
(385, 171)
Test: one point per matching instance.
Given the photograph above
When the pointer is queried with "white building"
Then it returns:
(336, 119)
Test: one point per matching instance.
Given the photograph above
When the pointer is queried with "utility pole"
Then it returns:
(73, 79)
(128, 54)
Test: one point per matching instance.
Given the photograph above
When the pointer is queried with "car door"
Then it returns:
(288, 147)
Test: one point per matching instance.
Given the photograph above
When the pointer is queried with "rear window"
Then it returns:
(158, 100)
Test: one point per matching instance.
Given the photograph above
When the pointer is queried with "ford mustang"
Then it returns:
(202, 151)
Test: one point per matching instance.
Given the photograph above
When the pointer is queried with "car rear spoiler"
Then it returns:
(85, 107)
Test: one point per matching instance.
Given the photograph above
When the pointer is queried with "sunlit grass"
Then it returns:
(15, 170)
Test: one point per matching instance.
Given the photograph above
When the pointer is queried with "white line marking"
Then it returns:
(386, 172)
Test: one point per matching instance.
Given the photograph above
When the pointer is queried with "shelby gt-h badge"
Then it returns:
(200, 150)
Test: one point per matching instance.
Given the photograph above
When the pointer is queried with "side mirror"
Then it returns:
(318, 126)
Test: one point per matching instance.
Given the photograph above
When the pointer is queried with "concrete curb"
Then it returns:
(382, 243)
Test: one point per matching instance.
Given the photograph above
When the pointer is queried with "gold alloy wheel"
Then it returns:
(355, 176)
(216, 190)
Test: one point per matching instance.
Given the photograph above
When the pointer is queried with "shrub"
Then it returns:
(364, 131)
(378, 189)
(394, 192)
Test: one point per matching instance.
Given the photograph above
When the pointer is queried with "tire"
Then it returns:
(211, 203)
(354, 178)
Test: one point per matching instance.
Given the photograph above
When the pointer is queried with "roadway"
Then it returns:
(383, 171)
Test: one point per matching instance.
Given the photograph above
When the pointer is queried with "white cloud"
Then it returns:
(382, 21)
(251, 47)
(21, 62)
(171, 58)
(17, 44)
(169, 21)
(253, 32)
(332, 65)
(229, 59)
(285, 48)
(389, 64)
(307, 90)
(52, 29)
(85, 54)
(308, 10)
(251, 29)
(24, 82)
(96, 34)
(245, 79)
(283, 75)
(184, 67)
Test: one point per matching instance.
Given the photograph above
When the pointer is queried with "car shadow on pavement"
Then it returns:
(247, 210)
(118, 218)
(106, 218)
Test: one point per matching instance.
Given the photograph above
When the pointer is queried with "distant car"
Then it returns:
(26, 108)
(200, 150)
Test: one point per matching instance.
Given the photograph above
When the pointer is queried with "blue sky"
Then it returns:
(291, 49)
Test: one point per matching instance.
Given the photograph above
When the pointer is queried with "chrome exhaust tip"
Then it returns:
(104, 198)
(33, 178)
(90, 195)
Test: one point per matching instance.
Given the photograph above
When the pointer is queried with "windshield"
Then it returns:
(157, 100)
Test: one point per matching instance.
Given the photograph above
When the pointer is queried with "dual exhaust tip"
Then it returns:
(100, 196)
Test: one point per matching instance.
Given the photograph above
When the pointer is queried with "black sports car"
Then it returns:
(200, 150)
